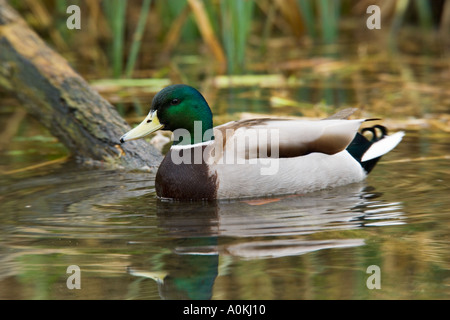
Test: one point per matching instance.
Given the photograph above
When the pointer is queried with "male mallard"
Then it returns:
(258, 157)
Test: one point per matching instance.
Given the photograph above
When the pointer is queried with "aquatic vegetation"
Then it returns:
(230, 29)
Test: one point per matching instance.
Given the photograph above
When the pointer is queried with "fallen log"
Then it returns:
(61, 100)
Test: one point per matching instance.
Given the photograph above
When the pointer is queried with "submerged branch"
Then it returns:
(61, 100)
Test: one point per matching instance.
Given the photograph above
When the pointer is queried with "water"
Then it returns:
(130, 245)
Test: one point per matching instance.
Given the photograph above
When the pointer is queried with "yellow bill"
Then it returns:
(150, 124)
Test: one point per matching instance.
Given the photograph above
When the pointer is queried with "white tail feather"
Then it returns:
(383, 146)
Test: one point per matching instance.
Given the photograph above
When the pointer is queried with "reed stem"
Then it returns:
(137, 37)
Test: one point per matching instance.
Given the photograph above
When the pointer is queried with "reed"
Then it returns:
(307, 11)
(236, 18)
(137, 38)
(329, 16)
(398, 18)
(115, 11)
(423, 9)
(207, 31)
(224, 26)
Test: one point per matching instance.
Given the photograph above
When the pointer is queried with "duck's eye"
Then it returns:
(175, 101)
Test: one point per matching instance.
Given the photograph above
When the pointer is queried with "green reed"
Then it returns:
(115, 11)
(137, 37)
(233, 23)
(236, 18)
(307, 11)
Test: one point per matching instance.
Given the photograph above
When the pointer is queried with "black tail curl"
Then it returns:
(361, 144)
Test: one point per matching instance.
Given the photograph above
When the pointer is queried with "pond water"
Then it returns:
(130, 245)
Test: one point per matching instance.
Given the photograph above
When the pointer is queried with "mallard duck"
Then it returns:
(257, 157)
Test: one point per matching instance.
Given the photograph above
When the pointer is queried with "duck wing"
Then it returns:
(282, 138)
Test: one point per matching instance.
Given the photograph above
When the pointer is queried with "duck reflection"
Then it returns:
(256, 229)
(190, 270)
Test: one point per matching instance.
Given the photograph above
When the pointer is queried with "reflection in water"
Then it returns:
(345, 207)
(130, 245)
(268, 228)
(186, 276)
(88, 209)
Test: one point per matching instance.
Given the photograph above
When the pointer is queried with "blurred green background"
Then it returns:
(136, 38)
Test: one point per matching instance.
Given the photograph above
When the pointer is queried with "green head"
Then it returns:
(178, 108)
